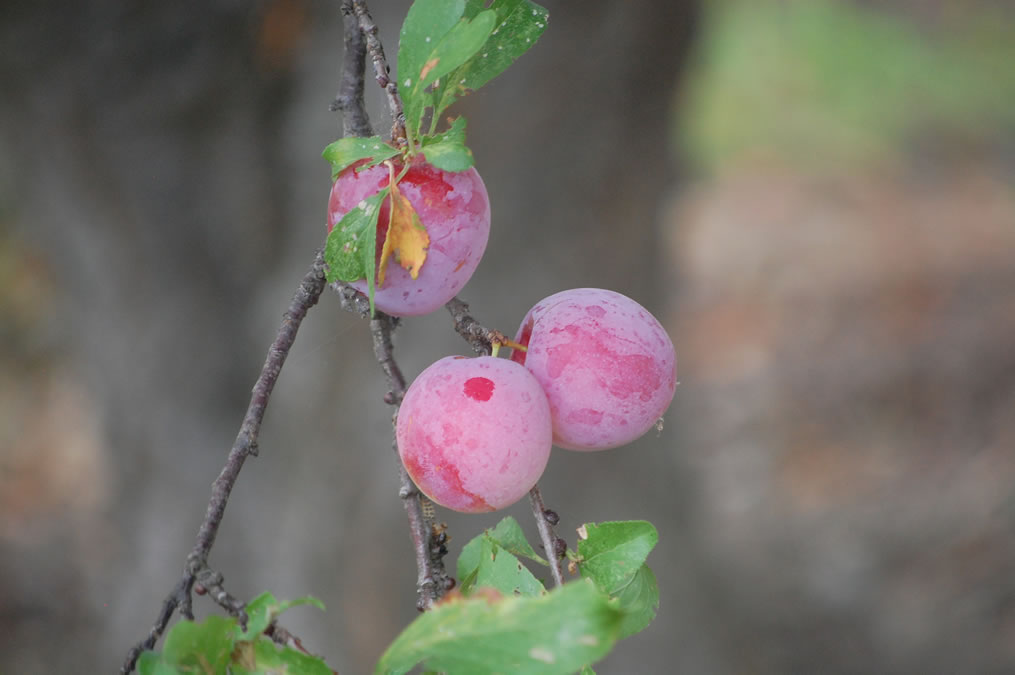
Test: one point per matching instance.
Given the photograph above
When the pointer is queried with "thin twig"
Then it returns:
(210, 582)
(352, 300)
(246, 441)
(554, 546)
(381, 328)
(428, 589)
(306, 296)
(169, 604)
(432, 579)
(350, 93)
(477, 335)
(381, 70)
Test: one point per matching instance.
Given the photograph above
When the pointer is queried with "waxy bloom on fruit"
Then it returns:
(454, 209)
(607, 366)
(474, 433)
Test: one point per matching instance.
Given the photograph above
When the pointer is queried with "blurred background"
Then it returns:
(817, 197)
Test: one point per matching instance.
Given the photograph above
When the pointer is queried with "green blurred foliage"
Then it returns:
(823, 83)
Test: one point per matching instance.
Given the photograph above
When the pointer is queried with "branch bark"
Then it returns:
(432, 578)
(382, 72)
(307, 295)
(478, 336)
(350, 93)
(554, 546)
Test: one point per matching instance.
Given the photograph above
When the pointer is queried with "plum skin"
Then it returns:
(454, 208)
(607, 366)
(474, 434)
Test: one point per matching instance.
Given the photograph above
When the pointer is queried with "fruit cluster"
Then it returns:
(590, 369)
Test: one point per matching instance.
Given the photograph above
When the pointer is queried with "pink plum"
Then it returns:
(607, 366)
(474, 433)
(455, 210)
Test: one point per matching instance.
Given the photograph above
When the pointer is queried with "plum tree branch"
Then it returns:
(306, 296)
(554, 546)
(382, 72)
(351, 300)
(349, 99)
(477, 335)
(432, 578)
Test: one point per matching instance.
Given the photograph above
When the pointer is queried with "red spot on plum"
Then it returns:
(595, 311)
(479, 388)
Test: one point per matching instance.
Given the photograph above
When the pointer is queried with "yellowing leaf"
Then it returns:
(406, 238)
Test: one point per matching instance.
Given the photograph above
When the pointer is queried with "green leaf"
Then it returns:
(151, 663)
(508, 535)
(503, 571)
(556, 633)
(473, 7)
(612, 553)
(457, 46)
(263, 657)
(217, 644)
(351, 248)
(639, 600)
(204, 647)
(519, 24)
(587, 670)
(468, 559)
(265, 608)
(448, 151)
(468, 582)
(426, 23)
(345, 152)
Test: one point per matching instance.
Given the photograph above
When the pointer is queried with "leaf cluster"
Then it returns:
(503, 619)
(220, 646)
